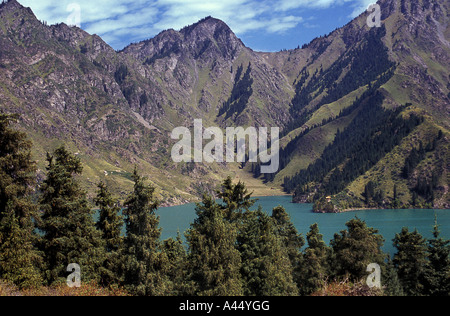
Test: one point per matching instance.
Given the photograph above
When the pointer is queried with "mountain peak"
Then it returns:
(209, 21)
(213, 33)
(11, 5)
(208, 27)
(209, 37)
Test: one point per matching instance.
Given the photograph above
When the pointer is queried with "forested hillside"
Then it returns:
(357, 121)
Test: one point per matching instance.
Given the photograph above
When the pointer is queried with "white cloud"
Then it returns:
(361, 6)
(55, 11)
(279, 25)
(111, 19)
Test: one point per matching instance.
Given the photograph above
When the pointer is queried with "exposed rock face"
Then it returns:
(197, 66)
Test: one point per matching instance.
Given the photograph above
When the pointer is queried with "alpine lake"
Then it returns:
(388, 222)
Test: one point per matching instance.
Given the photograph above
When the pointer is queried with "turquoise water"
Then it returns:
(388, 222)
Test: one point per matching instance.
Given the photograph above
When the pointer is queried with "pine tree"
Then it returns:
(213, 261)
(355, 248)
(17, 168)
(396, 202)
(67, 221)
(174, 265)
(110, 221)
(437, 277)
(236, 199)
(390, 280)
(411, 261)
(266, 268)
(19, 259)
(369, 193)
(110, 225)
(291, 240)
(315, 267)
(141, 252)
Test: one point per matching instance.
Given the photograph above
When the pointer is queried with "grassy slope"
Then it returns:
(387, 172)
(311, 146)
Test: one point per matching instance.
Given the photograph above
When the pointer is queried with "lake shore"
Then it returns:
(348, 210)
(381, 209)
(165, 205)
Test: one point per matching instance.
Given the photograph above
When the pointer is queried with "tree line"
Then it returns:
(373, 132)
(231, 249)
(240, 95)
(367, 64)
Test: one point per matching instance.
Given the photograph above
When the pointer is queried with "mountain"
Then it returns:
(196, 68)
(406, 64)
(363, 111)
(117, 109)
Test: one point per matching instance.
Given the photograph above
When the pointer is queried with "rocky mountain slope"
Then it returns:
(117, 109)
(407, 62)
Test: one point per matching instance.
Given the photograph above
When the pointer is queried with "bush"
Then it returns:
(346, 288)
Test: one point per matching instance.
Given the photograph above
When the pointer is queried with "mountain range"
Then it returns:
(363, 111)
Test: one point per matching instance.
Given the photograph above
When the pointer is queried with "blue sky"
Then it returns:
(263, 25)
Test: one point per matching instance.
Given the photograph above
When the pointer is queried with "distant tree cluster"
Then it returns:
(232, 249)
(121, 74)
(416, 156)
(240, 95)
(372, 133)
(362, 65)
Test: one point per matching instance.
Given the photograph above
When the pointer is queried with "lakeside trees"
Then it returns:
(66, 221)
(232, 249)
(140, 252)
(213, 260)
(19, 259)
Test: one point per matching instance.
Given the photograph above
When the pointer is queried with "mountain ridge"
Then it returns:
(117, 108)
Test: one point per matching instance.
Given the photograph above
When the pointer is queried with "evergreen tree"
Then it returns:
(19, 259)
(110, 225)
(67, 221)
(174, 265)
(395, 192)
(213, 261)
(315, 262)
(369, 192)
(355, 248)
(415, 198)
(266, 268)
(437, 279)
(18, 171)
(391, 281)
(291, 240)
(236, 199)
(142, 273)
(411, 261)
